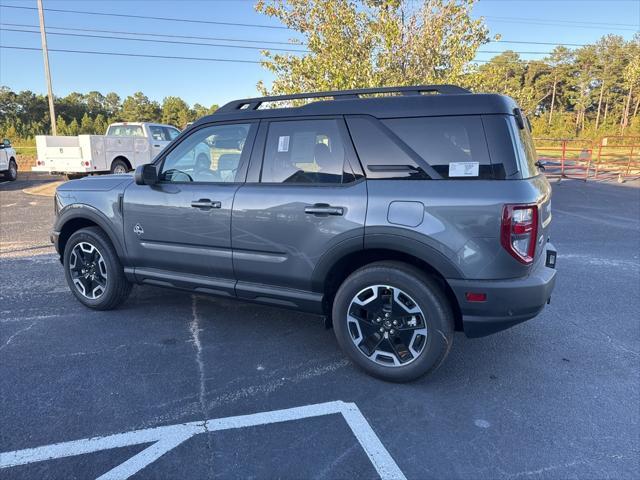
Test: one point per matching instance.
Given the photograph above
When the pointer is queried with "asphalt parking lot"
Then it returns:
(555, 397)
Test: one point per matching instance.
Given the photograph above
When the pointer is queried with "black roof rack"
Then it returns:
(254, 103)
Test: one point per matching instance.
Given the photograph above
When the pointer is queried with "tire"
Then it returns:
(119, 167)
(12, 172)
(424, 315)
(115, 287)
(75, 176)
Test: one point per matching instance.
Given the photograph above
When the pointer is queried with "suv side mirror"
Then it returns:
(146, 174)
(6, 143)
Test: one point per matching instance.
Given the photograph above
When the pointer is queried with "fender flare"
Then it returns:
(83, 211)
(385, 238)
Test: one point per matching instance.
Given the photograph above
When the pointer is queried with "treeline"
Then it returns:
(586, 92)
(25, 114)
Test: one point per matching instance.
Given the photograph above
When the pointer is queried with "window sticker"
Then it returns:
(464, 169)
(283, 143)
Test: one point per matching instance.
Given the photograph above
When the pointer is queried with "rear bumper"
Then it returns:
(508, 302)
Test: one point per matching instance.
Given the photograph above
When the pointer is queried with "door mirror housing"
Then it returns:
(146, 174)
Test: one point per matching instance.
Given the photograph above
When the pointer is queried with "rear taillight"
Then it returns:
(519, 231)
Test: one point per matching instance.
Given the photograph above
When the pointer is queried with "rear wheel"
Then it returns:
(393, 321)
(93, 270)
(119, 167)
(12, 172)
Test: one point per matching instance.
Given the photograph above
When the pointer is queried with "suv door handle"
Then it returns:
(205, 204)
(323, 209)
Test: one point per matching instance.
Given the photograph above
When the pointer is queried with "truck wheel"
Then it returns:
(12, 172)
(119, 167)
(75, 176)
(93, 270)
(393, 321)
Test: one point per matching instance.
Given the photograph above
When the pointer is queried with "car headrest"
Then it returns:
(228, 161)
(323, 156)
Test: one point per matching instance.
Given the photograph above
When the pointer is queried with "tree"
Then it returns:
(99, 125)
(372, 43)
(112, 105)
(95, 102)
(73, 128)
(138, 108)
(560, 61)
(175, 111)
(86, 125)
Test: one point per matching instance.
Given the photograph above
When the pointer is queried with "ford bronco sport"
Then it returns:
(401, 214)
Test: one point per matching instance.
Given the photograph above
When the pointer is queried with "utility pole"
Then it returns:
(47, 72)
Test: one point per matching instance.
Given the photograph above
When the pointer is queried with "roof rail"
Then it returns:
(254, 103)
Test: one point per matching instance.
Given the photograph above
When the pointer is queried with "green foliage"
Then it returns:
(138, 108)
(372, 43)
(23, 115)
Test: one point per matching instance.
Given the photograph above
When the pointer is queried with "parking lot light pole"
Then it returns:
(47, 72)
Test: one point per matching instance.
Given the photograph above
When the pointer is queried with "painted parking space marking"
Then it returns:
(166, 438)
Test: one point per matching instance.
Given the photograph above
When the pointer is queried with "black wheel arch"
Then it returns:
(121, 159)
(71, 220)
(350, 255)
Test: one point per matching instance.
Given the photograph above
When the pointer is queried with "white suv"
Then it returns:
(8, 163)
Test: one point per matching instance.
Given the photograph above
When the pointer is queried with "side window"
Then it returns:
(305, 151)
(170, 133)
(211, 154)
(455, 147)
(382, 156)
(157, 133)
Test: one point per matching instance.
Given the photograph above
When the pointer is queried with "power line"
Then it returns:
(207, 59)
(244, 40)
(532, 21)
(119, 54)
(554, 23)
(149, 40)
(560, 20)
(166, 19)
(173, 42)
(145, 34)
(555, 44)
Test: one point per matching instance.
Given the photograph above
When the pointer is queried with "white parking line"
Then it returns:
(169, 437)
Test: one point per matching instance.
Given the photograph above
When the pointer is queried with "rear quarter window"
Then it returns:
(455, 147)
(525, 151)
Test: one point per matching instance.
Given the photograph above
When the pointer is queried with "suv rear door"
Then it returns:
(178, 231)
(305, 196)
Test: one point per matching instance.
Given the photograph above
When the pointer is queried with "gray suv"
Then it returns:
(400, 214)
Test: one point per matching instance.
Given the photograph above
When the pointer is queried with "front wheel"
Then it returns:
(393, 321)
(93, 270)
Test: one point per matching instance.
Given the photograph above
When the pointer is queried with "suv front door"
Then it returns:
(304, 197)
(178, 232)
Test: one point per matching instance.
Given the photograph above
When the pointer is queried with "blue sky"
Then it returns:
(561, 21)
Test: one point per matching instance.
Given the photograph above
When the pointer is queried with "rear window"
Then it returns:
(455, 147)
(126, 131)
(526, 151)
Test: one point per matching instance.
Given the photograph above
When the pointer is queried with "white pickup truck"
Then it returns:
(8, 163)
(125, 146)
